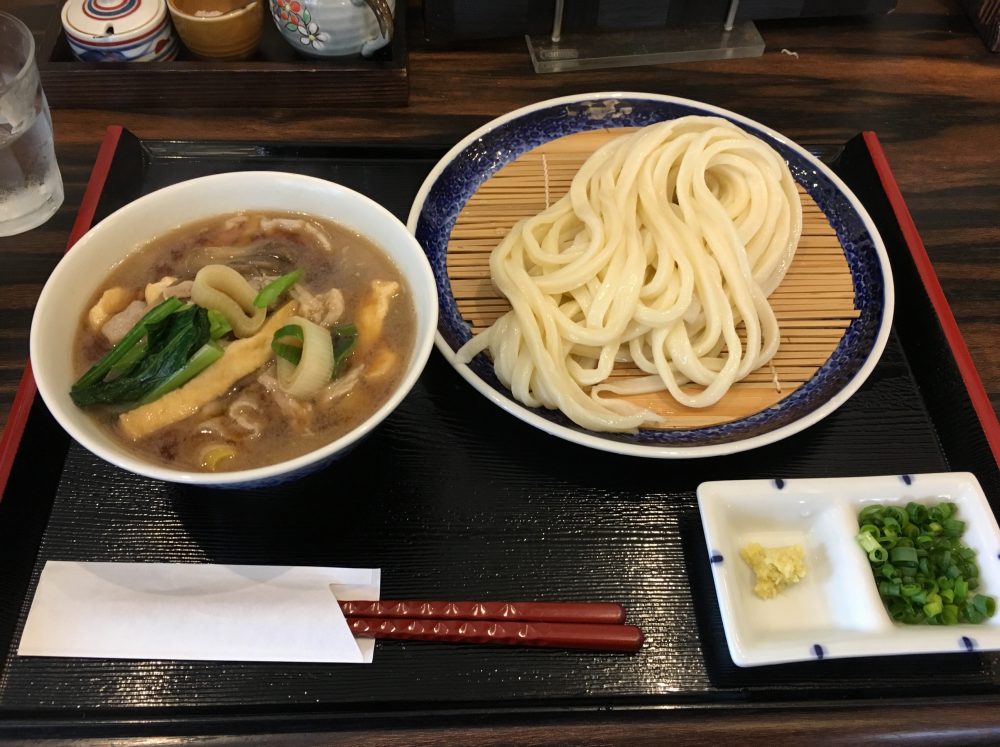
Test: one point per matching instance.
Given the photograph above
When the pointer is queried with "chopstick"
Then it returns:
(592, 626)
(585, 636)
(604, 613)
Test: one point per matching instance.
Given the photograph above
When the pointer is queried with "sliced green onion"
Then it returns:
(100, 369)
(889, 588)
(203, 357)
(270, 292)
(925, 575)
(933, 608)
(345, 337)
(315, 366)
(291, 352)
(878, 555)
(867, 541)
(903, 556)
(909, 590)
(953, 527)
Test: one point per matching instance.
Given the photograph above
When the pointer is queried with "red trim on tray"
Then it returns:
(966, 367)
(21, 408)
(98, 175)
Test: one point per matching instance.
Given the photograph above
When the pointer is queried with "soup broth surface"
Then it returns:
(255, 423)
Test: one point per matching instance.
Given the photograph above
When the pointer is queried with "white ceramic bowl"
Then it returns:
(77, 277)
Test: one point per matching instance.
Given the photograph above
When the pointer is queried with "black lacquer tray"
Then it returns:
(454, 499)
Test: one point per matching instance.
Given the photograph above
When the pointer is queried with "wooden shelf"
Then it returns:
(276, 76)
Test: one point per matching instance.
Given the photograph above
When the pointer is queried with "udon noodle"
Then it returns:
(669, 239)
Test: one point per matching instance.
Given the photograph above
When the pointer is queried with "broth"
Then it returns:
(254, 423)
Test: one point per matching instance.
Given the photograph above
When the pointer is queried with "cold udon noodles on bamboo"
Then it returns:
(661, 256)
(244, 340)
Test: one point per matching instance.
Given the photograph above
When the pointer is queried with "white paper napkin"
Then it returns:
(196, 611)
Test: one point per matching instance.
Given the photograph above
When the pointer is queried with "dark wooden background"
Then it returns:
(920, 77)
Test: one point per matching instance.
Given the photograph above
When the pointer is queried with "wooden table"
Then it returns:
(920, 78)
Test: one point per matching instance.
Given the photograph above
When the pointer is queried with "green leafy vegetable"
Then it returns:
(116, 355)
(205, 356)
(219, 326)
(129, 359)
(925, 574)
(171, 339)
(270, 292)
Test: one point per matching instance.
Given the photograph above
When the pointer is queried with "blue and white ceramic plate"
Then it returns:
(477, 157)
(835, 611)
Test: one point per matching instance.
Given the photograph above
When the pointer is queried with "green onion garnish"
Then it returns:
(290, 351)
(270, 292)
(903, 556)
(867, 541)
(345, 337)
(287, 344)
(925, 575)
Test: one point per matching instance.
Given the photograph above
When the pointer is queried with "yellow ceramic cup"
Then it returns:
(219, 29)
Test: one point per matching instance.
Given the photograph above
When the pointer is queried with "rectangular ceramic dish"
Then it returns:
(835, 610)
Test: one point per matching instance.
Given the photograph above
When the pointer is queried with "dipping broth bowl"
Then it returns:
(73, 284)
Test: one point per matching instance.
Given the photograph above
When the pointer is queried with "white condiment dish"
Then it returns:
(835, 611)
(76, 279)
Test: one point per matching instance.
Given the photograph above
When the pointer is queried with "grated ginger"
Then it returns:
(775, 568)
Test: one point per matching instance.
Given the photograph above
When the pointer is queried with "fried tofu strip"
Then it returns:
(112, 301)
(241, 358)
(373, 311)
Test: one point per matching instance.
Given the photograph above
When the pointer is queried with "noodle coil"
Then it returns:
(668, 240)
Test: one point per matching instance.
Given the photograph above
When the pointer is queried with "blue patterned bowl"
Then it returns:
(477, 157)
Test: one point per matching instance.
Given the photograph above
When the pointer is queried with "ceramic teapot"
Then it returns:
(331, 28)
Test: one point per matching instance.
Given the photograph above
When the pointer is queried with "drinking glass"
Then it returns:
(31, 188)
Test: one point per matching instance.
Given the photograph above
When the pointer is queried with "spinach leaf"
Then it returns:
(170, 342)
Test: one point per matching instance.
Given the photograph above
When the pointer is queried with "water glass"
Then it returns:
(31, 188)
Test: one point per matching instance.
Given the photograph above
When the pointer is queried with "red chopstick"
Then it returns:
(593, 626)
(586, 636)
(604, 613)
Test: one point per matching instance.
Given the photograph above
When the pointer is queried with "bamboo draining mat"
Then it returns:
(814, 304)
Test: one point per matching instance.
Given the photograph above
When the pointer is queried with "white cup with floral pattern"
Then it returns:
(333, 28)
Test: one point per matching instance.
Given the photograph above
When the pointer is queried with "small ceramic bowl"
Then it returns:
(76, 278)
(219, 29)
(119, 30)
